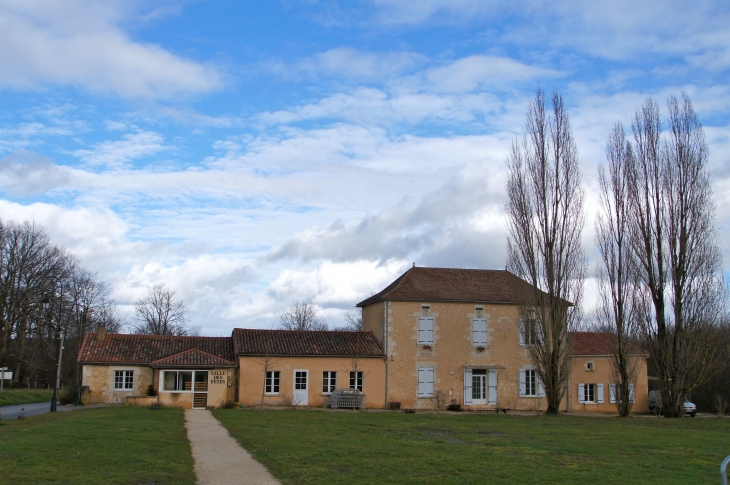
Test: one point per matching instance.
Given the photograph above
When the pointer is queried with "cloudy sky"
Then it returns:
(251, 154)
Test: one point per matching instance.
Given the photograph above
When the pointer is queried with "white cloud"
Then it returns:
(25, 173)
(116, 154)
(80, 43)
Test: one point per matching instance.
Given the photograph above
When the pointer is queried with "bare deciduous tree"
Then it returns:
(617, 277)
(675, 239)
(353, 322)
(302, 316)
(545, 220)
(159, 313)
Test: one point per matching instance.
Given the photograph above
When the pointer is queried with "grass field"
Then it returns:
(341, 447)
(24, 396)
(116, 445)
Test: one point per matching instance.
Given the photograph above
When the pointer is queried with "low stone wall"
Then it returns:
(141, 401)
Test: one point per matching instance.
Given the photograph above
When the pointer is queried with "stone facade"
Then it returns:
(453, 350)
(100, 381)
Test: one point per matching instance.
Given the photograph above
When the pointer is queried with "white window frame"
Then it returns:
(425, 330)
(127, 380)
(272, 383)
(479, 336)
(329, 381)
(536, 389)
(584, 393)
(359, 379)
(426, 378)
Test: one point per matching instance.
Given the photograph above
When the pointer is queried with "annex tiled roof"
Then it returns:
(590, 343)
(305, 343)
(145, 349)
(451, 284)
(596, 343)
(192, 358)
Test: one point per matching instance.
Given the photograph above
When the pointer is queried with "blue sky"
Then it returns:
(250, 154)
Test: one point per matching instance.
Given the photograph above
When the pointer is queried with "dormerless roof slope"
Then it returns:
(451, 284)
(145, 349)
(305, 343)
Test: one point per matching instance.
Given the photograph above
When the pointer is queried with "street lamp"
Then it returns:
(46, 303)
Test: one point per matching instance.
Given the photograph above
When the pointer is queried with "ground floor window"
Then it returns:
(329, 382)
(123, 380)
(530, 384)
(425, 382)
(590, 393)
(272, 382)
(177, 380)
(612, 393)
(356, 380)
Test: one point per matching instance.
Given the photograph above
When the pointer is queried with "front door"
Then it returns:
(301, 394)
(200, 389)
(479, 386)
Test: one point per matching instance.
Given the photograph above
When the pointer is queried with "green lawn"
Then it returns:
(118, 445)
(24, 396)
(334, 447)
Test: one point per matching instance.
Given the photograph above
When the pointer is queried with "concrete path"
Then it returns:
(219, 459)
(34, 409)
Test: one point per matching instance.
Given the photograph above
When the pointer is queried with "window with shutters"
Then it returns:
(425, 331)
(612, 393)
(356, 380)
(425, 382)
(479, 331)
(123, 380)
(528, 332)
(329, 382)
(530, 384)
(590, 393)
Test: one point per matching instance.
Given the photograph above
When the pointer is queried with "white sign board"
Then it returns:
(7, 376)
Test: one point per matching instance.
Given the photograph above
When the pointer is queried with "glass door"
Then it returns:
(479, 386)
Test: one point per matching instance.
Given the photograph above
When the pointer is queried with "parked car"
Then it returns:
(655, 404)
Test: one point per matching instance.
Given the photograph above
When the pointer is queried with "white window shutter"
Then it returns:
(425, 382)
(493, 387)
(521, 334)
(480, 332)
(600, 393)
(425, 330)
(612, 393)
(581, 393)
(631, 393)
(540, 388)
(522, 383)
(467, 387)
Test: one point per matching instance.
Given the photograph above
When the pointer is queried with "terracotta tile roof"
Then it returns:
(316, 343)
(145, 349)
(590, 343)
(596, 343)
(450, 284)
(192, 358)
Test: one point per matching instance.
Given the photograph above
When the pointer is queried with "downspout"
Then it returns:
(385, 346)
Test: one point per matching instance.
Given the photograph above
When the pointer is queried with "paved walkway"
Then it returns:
(219, 459)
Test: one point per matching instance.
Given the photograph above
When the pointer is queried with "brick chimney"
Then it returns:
(101, 333)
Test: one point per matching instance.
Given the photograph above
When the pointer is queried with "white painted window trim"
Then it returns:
(331, 381)
(124, 387)
(539, 388)
(192, 383)
(612, 393)
(266, 377)
(359, 376)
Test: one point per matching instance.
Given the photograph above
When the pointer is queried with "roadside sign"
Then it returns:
(6, 375)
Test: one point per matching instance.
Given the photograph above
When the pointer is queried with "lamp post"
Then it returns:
(59, 351)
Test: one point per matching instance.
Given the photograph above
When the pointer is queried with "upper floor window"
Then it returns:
(528, 332)
(425, 331)
(480, 332)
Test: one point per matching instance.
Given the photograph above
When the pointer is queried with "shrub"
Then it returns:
(228, 404)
